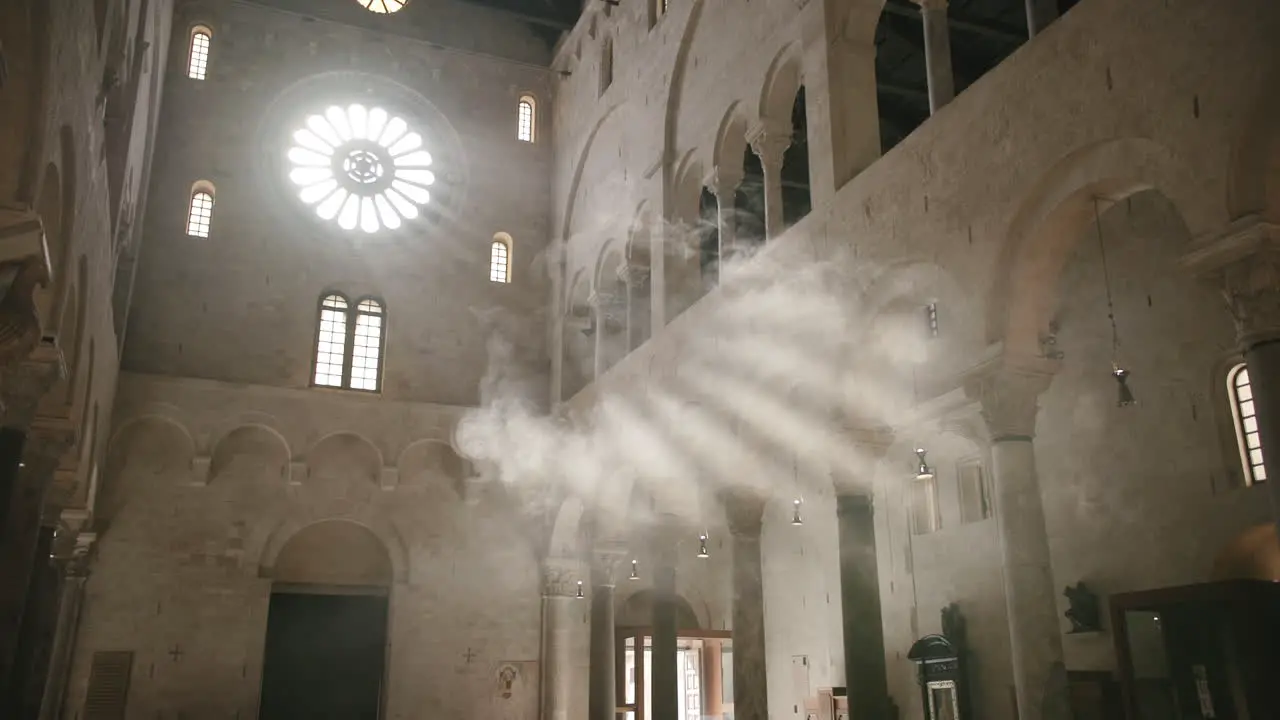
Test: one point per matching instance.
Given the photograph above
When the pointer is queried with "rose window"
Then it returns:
(361, 168)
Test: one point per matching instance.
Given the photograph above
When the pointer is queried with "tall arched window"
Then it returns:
(525, 118)
(349, 344)
(1246, 418)
(500, 258)
(198, 55)
(200, 212)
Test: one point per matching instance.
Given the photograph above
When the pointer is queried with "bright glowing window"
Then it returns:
(198, 57)
(500, 258)
(349, 344)
(361, 168)
(382, 6)
(1246, 419)
(200, 212)
(524, 129)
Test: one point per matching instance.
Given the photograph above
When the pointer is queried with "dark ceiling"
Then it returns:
(548, 18)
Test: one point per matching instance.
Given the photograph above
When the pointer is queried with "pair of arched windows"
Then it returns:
(349, 343)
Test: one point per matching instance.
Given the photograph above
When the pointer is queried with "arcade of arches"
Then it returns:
(639, 359)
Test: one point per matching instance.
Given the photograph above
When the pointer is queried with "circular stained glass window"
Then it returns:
(382, 6)
(361, 168)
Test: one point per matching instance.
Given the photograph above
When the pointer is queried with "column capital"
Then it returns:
(1243, 261)
(1008, 392)
(634, 276)
(744, 510)
(769, 140)
(560, 577)
(605, 560)
(723, 182)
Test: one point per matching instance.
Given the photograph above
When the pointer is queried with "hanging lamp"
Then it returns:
(579, 596)
(635, 573)
(795, 512)
(1124, 395)
(923, 471)
(702, 546)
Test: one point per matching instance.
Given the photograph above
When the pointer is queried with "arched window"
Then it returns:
(525, 118)
(349, 344)
(198, 56)
(382, 6)
(1246, 417)
(200, 213)
(500, 258)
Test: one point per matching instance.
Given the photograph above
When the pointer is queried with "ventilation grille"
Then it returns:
(108, 685)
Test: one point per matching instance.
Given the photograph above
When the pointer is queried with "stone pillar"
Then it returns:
(21, 699)
(769, 142)
(602, 699)
(1244, 263)
(1039, 14)
(724, 183)
(745, 513)
(26, 473)
(937, 53)
(1008, 397)
(639, 300)
(866, 675)
(558, 604)
(664, 689)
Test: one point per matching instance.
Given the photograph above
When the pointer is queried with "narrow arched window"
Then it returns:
(200, 211)
(349, 343)
(525, 119)
(1246, 418)
(500, 258)
(198, 55)
(606, 65)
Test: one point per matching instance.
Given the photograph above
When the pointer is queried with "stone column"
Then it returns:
(25, 479)
(1008, 397)
(1244, 263)
(602, 699)
(866, 675)
(1039, 14)
(937, 53)
(664, 690)
(724, 183)
(712, 679)
(769, 142)
(745, 513)
(639, 299)
(558, 602)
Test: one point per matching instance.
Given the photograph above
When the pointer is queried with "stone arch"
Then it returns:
(146, 450)
(581, 164)
(424, 462)
(1049, 220)
(261, 443)
(782, 81)
(675, 92)
(637, 611)
(1252, 555)
(731, 141)
(345, 456)
(566, 530)
(330, 552)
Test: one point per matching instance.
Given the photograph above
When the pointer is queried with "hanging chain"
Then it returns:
(1106, 279)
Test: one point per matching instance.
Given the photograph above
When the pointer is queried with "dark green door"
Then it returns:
(324, 657)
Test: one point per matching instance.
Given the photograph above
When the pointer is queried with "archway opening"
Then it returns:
(748, 204)
(708, 237)
(327, 624)
(796, 199)
(704, 661)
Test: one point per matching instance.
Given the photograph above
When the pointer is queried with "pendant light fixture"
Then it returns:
(1124, 396)
(795, 504)
(795, 512)
(635, 572)
(579, 596)
(923, 471)
(702, 546)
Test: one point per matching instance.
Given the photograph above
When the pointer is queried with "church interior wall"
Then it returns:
(269, 259)
(967, 212)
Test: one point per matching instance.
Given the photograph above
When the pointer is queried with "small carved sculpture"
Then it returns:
(1085, 611)
(506, 678)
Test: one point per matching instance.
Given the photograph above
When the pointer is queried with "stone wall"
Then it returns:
(985, 210)
(241, 305)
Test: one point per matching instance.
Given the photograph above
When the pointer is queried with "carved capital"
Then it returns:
(25, 382)
(560, 577)
(723, 182)
(605, 560)
(1008, 392)
(769, 141)
(744, 511)
(635, 277)
(1244, 262)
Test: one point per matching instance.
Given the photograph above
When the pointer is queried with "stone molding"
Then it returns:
(1008, 392)
(1244, 262)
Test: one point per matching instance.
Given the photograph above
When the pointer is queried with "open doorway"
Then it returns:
(325, 649)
